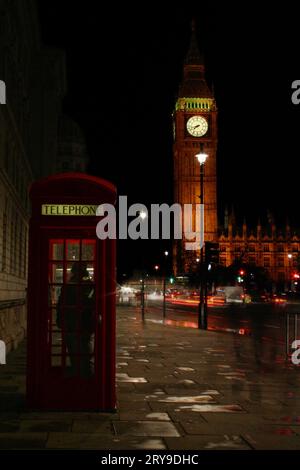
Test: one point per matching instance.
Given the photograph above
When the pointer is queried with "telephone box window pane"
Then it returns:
(91, 271)
(72, 345)
(73, 250)
(54, 319)
(56, 273)
(87, 310)
(54, 294)
(70, 322)
(73, 273)
(80, 272)
(88, 250)
(56, 250)
(71, 366)
(70, 296)
(56, 361)
(56, 342)
(87, 294)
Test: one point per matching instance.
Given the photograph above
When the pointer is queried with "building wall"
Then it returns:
(275, 250)
(15, 177)
(34, 79)
(195, 99)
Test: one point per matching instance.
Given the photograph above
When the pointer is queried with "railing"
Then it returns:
(11, 303)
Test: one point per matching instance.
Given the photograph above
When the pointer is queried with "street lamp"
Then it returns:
(143, 216)
(202, 312)
(156, 268)
(290, 257)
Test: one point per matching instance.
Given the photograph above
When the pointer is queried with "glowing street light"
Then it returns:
(201, 157)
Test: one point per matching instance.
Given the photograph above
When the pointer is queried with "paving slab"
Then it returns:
(144, 416)
(26, 440)
(93, 426)
(264, 441)
(146, 428)
(208, 442)
(39, 425)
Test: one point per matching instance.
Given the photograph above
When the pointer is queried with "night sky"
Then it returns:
(124, 65)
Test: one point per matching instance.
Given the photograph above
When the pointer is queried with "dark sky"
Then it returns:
(124, 65)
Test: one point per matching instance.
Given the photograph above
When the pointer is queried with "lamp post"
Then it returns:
(290, 258)
(166, 253)
(143, 216)
(202, 311)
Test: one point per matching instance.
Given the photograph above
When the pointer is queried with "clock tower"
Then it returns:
(195, 127)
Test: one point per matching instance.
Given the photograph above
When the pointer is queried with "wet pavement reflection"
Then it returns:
(177, 388)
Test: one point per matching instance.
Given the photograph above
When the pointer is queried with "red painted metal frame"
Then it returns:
(43, 390)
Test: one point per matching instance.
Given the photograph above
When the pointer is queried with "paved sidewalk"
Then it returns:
(178, 388)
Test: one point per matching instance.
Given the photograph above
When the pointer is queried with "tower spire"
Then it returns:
(194, 57)
(194, 83)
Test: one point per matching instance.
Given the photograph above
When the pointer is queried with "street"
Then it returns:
(264, 322)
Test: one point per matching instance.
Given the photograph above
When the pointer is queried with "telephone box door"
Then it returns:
(72, 311)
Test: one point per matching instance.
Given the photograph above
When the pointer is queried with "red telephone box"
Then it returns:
(71, 296)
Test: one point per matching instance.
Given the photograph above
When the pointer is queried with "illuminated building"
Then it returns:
(195, 125)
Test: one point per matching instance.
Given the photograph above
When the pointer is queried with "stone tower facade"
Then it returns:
(195, 127)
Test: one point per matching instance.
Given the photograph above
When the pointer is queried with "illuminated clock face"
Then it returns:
(197, 126)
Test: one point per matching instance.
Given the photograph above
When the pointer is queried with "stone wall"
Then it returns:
(13, 325)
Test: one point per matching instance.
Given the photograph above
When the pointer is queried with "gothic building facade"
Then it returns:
(268, 246)
(195, 127)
